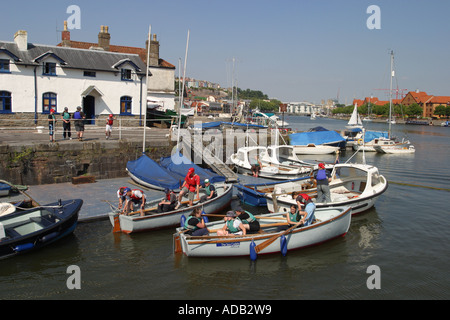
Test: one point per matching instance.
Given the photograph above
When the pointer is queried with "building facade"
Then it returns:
(161, 85)
(36, 78)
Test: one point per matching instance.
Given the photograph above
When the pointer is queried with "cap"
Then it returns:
(111, 116)
(206, 180)
(321, 165)
(239, 209)
(191, 170)
(126, 190)
(52, 110)
(231, 214)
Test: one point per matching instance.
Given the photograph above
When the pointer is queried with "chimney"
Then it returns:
(154, 51)
(65, 36)
(21, 40)
(103, 38)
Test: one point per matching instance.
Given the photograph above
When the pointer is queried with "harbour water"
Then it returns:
(406, 235)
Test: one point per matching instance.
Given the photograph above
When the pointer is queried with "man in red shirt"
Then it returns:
(190, 185)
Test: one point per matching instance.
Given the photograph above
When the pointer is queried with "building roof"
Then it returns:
(74, 58)
(142, 52)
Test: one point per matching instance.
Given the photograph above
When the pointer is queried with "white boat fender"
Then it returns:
(23, 247)
(182, 220)
(283, 245)
(49, 236)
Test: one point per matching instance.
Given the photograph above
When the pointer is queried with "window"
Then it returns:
(5, 102)
(125, 105)
(48, 102)
(126, 74)
(4, 65)
(89, 74)
(49, 69)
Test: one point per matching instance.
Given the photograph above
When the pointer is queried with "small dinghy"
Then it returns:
(26, 230)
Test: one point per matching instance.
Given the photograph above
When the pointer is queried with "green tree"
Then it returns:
(414, 110)
(440, 110)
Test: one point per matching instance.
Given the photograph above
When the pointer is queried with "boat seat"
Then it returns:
(41, 221)
(11, 233)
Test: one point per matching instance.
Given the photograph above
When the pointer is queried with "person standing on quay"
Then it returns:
(66, 123)
(51, 125)
(79, 117)
(109, 124)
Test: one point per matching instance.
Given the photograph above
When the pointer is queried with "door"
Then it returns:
(89, 109)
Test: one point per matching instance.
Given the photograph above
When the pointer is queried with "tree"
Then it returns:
(440, 110)
(414, 110)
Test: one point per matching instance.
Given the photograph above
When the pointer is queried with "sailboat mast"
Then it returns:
(182, 89)
(390, 94)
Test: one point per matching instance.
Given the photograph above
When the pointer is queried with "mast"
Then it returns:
(146, 88)
(390, 94)
(182, 90)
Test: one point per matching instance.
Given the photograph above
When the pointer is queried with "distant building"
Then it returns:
(161, 88)
(305, 108)
(36, 78)
(427, 102)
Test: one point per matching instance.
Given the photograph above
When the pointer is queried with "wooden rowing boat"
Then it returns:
(330, 223)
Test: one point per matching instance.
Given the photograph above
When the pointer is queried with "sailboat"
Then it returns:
(355, 120)
(398, 148)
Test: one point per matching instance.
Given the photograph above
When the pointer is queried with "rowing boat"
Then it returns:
(330, 223)
(154, 220)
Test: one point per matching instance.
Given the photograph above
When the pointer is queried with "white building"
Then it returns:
(36, 78)
(302, 108)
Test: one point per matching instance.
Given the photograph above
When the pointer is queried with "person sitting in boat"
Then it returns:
(256, 166)
(195, 224)
(322, 179)
(292, 217)
(190, 185)
(250, 223)
(232, 227)
(210, 191)
(169, 203)
(134, 198)
(122, 196)
(308, 213)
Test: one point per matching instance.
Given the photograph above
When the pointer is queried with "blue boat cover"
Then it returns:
(316, 137)
(151, 172)
(182, 168)
(370, 135)
(4, 186)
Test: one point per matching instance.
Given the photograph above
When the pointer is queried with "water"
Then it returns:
(406, 235)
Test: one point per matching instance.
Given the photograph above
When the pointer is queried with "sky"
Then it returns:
(292, 50)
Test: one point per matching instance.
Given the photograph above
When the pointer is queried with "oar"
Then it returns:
(266, 243)
(257, 217)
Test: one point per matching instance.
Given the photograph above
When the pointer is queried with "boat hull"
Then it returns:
(32, 229)
(136, 223)
(331, 223)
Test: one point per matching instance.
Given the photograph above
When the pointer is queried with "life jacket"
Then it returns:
(192, 182)
(321, 174)
(190, 226)
(251, 218)
(304, 198)
(110, 122)
(231, 227)
(77, 115)
(294, 216)
(134, 196)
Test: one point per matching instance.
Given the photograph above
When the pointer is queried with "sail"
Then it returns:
(355, 120)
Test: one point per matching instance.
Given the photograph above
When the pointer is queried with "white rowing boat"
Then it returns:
(330, 223)
(154, 220)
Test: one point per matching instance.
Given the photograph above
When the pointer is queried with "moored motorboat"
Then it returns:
(330, 223)
(396, 149)
(26, 230)
(153, 220)
(354, 185)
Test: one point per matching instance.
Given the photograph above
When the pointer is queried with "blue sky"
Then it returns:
(290, 50)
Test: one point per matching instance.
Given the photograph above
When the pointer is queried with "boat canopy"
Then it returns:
(148, 170)
(371, 135)
(315, 137)
(182, 169)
